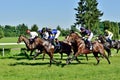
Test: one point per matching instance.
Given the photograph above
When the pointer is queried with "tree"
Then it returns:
(113, 27)
(58, 28)
(1, 33)
(34, 28)
(21, 29)
(9, 31)
(87, 14)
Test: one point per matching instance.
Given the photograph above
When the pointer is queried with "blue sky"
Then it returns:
(50, 13)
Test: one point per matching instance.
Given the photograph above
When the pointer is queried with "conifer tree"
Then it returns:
(87, 14)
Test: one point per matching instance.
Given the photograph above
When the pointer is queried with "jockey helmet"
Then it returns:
(82, 28)
(28, 31)
(106, 30)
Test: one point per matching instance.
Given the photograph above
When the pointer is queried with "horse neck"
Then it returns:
(26, 41)
(79, 41)
(103, 40)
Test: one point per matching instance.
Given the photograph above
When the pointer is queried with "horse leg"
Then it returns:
(77, 60)
(96, 56)
(117, 51)
(108, 51)
(74, 57)
(35, 55)
(69, 60)
(31, 52)
(43, 56)
(61, 56)
(104, 55)
(26, 55)
(51, 58)
(86, 57)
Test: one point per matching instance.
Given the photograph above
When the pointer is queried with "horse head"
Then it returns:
(75, 39)
(22, 38)
(102, 38)
(115, 43)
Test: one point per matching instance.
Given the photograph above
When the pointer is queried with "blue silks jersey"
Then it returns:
(54, 31)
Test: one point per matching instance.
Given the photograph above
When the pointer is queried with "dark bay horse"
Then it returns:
(30, 47)
(39, 44)
(106, 44)
(64, 48)
(81, 48)
(114, 44)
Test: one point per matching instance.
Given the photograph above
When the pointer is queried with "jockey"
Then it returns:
(87, 34)
(50, 34)
(55, 33)
(33, 35)
(44, 34)
(53, 37)
(109, 36)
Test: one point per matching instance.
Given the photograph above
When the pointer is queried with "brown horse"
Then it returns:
(30, 47)
(64, 48)
(81, 48)
(39, 44)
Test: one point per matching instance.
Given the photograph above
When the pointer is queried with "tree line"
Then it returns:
(15, 31)
(87, 15)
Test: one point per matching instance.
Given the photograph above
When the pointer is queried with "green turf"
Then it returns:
(15, 66)
(14, 40)
(9, 40)
(18, 67)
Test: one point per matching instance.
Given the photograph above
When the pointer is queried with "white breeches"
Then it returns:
(90, 37)
(58, 33)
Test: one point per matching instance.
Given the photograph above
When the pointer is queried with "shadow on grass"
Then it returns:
(22, 56)
(33, 64)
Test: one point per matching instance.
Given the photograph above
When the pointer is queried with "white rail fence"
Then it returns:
(6, 44)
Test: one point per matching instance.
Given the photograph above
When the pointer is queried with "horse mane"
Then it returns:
(23, 36)
(76, 35)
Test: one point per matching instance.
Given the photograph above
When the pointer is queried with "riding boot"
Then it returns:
(31, 41)
(58, 44)
(57, 47)
(110, 41)
(90, 45)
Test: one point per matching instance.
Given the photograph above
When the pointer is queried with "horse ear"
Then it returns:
(19, 35)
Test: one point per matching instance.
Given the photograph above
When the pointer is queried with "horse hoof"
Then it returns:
(34, 58)
(79, 62)
(60, 62)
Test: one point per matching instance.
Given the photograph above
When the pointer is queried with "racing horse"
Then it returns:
(81, 48)
(114, 44)
(106, 44)
(64, 48)
(39, 44)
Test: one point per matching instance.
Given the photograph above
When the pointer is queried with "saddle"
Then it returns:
(32, 40)
(88, 44)
(57, 45)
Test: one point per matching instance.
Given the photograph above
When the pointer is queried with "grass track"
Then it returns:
(14, 67)
(17, 67)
